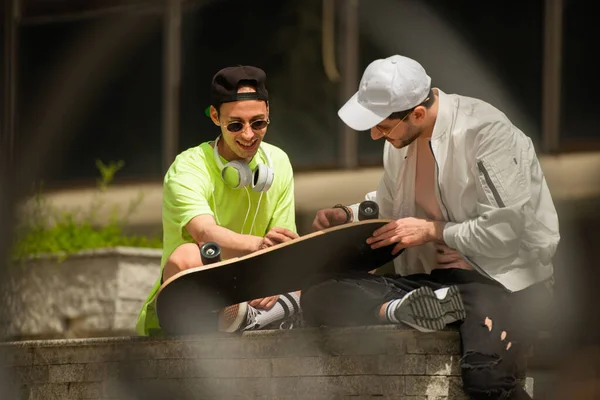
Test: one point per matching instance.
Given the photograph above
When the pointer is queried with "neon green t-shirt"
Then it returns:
(193, 186)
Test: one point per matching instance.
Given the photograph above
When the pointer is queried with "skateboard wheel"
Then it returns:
(368, 210)
(210, 252)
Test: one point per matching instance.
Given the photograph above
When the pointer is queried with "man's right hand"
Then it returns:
(328, 217)
(276, 236)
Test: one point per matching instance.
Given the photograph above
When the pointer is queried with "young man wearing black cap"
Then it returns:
(237, 191)
(471, 211)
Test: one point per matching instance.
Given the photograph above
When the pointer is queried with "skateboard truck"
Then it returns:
(368, 210)
(210, 252)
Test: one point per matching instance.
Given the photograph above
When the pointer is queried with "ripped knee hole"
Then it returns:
(489, 324)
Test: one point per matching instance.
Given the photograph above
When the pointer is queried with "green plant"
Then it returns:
(45, 229)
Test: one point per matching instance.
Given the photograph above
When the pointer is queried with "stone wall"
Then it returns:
(364, 362)
(92, 293)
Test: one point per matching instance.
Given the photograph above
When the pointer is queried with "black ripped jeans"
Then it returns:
(489, 369)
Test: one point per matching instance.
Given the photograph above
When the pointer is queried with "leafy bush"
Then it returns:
(44, 229)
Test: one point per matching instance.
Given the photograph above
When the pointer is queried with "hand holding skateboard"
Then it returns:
(275, 236)
(210, 252)
(329, 217)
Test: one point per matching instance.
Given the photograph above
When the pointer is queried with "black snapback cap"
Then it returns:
(225, 85)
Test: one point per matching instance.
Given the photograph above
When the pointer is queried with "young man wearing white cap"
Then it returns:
(471, 209)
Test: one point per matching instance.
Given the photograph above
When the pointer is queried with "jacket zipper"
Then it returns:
(488, 180)
(437, 169)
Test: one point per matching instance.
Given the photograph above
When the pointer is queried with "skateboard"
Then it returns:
(185, 302)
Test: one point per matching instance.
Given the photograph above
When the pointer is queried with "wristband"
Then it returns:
(346, 210)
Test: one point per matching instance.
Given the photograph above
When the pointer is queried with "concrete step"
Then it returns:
(362, 362)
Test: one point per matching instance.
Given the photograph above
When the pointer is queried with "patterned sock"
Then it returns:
(390, 311)
(287, 304)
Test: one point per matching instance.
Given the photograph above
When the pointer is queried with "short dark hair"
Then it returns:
(427, 103)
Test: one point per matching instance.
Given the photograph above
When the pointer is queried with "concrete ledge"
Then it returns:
(91, 293)
(381, 361)
(138, 252)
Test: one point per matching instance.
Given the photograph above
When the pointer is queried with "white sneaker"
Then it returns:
(244, 317)
(293, 321)
(231, 318)
(240, 317)
(251, 322)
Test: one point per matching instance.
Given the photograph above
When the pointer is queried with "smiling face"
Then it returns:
(243, 125)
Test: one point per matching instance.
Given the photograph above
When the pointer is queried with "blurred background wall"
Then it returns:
(313, 59)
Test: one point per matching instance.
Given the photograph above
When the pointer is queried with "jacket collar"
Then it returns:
(444, 116)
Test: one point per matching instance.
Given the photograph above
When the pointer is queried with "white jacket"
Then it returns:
(490, 187)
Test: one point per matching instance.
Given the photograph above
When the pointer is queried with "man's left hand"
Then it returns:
(406, 232)
(445, 257)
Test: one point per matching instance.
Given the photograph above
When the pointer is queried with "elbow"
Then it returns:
(502, 244)
(543, 248)
(199, 229)
(473, 238)
(508, 243)
(200, 237)
(508, 235)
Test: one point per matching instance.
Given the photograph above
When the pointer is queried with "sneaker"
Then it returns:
(239, 317)
(429, 311)
(251, 322)
(243, 317)
(293, 321)
(232, 318)
(456, 310)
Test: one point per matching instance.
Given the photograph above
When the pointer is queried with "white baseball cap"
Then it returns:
(388, 85)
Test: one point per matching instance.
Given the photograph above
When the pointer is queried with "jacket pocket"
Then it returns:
(502, 181)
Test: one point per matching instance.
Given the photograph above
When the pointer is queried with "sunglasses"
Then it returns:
(257, 125)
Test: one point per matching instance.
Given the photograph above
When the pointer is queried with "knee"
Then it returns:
(316, 301)
(312, 296)
(183, 257)
(486, 377)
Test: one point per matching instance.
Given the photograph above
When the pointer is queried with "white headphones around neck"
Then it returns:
(259, 180)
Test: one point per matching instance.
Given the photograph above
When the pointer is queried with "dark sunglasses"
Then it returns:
(257, 125)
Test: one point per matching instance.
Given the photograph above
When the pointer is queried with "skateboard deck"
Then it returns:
(187, 297)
